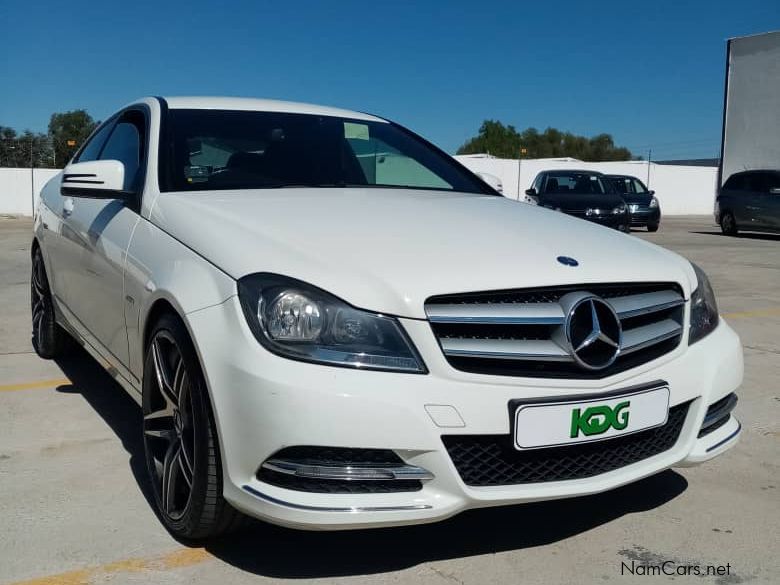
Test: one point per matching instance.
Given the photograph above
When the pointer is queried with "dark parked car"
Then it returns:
(750, 201)
(585, 194)
(642, 205)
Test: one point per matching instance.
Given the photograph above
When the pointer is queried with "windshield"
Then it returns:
(576, 183)
(219, 149)
(627, 185)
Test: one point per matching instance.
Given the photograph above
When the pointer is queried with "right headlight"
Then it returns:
(704, 308)
(299, 321)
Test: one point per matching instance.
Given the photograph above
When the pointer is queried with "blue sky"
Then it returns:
(649, 73)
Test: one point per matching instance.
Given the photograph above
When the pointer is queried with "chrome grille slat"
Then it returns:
(647, 335)
(497, 313)
(513, 349)
(522, 332)
(645, 303)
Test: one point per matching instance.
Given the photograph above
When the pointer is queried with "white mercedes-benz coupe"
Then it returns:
(330, 323)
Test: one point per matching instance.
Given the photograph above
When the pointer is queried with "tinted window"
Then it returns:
(92, 149)
(561, 182)
(125, 145)
(734, 183)
(765, 182)
(215, 149)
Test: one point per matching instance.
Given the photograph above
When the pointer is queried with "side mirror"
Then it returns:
(492, 180)
(651, 192)
(95, 179)
(531, 192)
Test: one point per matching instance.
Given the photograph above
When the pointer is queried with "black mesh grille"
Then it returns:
(338, 456)
(488, 460)
(548, 369)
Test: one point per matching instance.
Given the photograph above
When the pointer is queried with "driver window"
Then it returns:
(126, 145)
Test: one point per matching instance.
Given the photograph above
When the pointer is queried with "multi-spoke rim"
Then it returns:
(169, 427)
(39, 297)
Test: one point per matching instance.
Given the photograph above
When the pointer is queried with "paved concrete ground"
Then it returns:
(73, 497)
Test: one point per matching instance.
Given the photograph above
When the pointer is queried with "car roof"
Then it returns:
(583, 171)
(261, 105)
(622, 177)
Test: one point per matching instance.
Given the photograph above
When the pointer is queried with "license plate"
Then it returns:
(555, 424)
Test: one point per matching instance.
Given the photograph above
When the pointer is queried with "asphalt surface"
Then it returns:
(74, 501)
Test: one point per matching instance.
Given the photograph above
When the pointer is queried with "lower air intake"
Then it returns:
(490, 460)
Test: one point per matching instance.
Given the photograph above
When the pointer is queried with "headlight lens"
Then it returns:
(619, 209)
(704, 308)
(299, 321)
(653, 202)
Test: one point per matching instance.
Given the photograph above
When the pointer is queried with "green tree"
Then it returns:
(505, 142)
(68, 131)
(23, 150)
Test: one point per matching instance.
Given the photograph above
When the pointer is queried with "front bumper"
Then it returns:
(263, 403)
(644, 216)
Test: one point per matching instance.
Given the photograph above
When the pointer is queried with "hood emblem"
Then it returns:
(593, 333)
(568, 261)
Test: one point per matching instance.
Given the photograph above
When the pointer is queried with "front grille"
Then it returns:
(492, 460)
(520, 332)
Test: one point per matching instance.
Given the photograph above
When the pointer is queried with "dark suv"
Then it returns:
(750, 201)
(585, 194)
(642, 205)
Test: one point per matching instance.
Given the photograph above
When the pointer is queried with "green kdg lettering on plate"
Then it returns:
(596, 420)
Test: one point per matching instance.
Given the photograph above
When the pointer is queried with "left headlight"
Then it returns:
(704, 308)
(296, 320)
(653, 203)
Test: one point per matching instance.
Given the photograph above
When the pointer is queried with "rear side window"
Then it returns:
(91, 150)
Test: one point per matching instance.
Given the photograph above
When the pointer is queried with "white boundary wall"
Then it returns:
(16, 192)
(681, 190)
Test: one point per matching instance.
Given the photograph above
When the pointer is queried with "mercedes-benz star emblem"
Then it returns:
(593, 333)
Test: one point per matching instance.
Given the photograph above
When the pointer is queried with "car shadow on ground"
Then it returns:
(273, 551)
(120, 412)
(741, 235)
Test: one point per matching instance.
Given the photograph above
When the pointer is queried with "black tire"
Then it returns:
(49, 340)
(652, 227)
(728, 224)
(180, 438)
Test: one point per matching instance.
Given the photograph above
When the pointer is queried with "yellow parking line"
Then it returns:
(33, 385)
(185, 557)
(754, 313)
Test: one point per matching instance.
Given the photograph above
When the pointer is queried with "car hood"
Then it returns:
(390, 249)
(637, 198)
(582, 201)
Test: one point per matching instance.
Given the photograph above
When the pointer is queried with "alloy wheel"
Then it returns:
(168, 426)
(39, 296)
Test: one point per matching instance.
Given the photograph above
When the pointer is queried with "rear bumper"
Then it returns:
(264, 403)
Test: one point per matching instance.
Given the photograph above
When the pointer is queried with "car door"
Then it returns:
(98, 232)
(767, 201)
